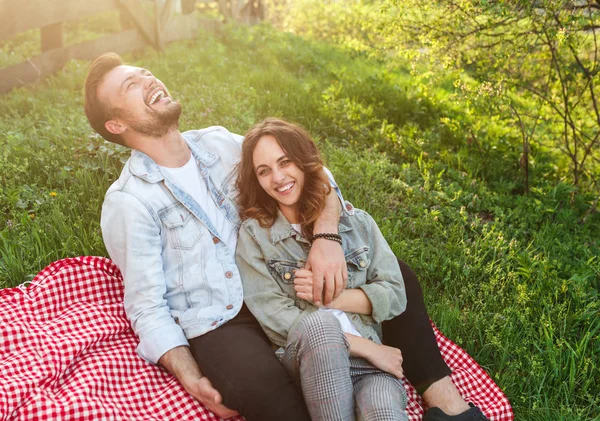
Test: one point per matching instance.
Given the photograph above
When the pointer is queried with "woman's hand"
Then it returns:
(386, 358)
(303, 285)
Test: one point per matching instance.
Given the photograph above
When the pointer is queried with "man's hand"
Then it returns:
(328, 266)
(202, 390)
(180, 362)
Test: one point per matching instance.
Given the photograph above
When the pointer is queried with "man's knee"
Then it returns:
(277, 397)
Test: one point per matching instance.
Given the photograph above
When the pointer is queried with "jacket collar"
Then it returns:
(144, 167)
(282, 229)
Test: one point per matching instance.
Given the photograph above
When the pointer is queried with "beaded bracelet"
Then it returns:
(327, 236)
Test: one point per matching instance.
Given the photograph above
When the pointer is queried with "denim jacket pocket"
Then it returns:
(183, 230)
(284, 270)
(357, 262)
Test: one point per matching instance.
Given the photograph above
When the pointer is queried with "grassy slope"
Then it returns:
(512, 279)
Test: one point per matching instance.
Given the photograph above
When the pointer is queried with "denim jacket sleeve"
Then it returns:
(338, 191)
(132, 237)
(273, 308)
(238, 139)
(385, 284)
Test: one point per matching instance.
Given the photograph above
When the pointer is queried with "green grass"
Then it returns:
(513, 279)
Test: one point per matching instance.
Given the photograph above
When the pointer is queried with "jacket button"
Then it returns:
(177, 320)
(215, 240)
(287, 275)
(362, 264)
(228, 274)
(213, 323)
(229, 307)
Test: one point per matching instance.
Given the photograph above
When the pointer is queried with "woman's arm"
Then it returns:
(382, 297)
(351, 300)
(383, 357)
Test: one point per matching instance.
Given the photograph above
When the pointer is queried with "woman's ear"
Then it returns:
(114, 127)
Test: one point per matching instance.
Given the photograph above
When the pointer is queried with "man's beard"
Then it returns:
(155, 123)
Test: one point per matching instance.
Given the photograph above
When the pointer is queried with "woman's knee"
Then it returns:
(380, 396)
(317, 329)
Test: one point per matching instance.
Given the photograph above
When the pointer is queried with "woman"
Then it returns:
(336, 352)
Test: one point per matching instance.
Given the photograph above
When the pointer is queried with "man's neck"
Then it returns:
(169, 151)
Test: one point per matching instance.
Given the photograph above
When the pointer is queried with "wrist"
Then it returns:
(329, 227)
(326, 236)
(190, 380)
(336, 304)
(365, 348)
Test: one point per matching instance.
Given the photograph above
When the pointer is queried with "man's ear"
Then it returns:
(114, 127)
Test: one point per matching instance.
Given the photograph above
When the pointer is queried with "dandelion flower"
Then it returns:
(53, 194)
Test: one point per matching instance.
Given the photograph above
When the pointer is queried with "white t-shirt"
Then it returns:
(347, 326)
(190, 179)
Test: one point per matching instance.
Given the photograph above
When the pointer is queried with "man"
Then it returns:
(170, 223)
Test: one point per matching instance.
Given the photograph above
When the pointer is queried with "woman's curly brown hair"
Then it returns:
(255, 203)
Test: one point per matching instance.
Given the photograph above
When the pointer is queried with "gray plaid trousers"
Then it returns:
(336, 386)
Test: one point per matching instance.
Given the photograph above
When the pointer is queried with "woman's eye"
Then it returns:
(285, 162)
(263, 171)
(130, 85)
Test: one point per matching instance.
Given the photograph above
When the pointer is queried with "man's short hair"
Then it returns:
(97, 112)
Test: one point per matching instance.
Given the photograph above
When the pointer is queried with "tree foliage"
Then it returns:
(540, 57)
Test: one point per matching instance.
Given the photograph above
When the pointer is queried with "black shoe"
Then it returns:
(471, 414)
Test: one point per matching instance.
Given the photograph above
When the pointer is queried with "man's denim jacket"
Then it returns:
(181, 279)
(268, 257)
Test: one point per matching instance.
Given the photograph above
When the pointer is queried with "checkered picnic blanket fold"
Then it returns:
(67, 352)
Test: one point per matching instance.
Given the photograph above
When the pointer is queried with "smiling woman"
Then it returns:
(282, 162)
(279, 176)
(335, 349)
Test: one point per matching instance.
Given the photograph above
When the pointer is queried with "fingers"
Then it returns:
(222, 411)
(305, 296)
(398, 360)
(317, 287)
(208, 394)
(212, 399)
(303, 289)
(339, 283)
(303, 285)
(303, 281)
(329, 286)
(303, 273)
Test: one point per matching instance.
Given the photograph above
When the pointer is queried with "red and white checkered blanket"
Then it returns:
(67, 352)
